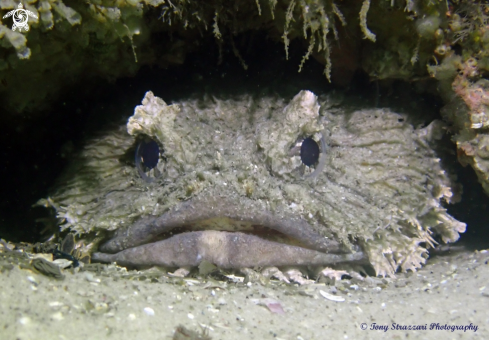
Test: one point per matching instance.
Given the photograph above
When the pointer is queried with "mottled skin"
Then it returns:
(233, 190)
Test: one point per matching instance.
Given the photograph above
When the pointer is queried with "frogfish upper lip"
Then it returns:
(150, 228)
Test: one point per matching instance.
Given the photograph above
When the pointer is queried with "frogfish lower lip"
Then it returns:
(141, 244)
(224, 249)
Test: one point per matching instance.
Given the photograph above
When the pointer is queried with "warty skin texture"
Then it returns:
(229, 166)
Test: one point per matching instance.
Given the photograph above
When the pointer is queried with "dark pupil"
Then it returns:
(149, 153)
(309, 152)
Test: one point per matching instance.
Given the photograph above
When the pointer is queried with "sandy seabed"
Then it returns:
(447, 299)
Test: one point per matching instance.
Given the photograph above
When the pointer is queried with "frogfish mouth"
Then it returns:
(223, 234)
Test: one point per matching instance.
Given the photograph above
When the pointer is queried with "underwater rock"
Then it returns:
(86, 39)
(467, 111)
(234, 166)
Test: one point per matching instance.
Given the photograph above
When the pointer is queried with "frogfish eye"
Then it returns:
(149, 153)
(147, 156)
(309, 152)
